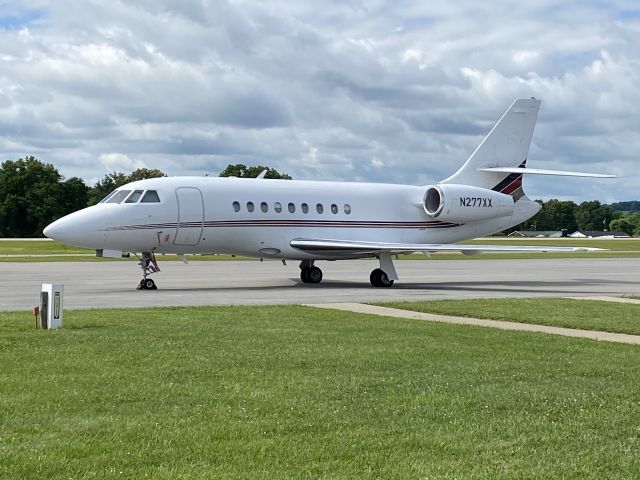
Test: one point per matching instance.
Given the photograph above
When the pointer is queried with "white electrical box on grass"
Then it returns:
(51, 305)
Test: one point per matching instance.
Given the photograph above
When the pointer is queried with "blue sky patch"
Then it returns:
(20, 19)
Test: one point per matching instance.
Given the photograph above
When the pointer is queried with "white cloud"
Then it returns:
(120, 162)
(372, 90)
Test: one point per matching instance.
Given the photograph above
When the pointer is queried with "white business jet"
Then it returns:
(309, 221)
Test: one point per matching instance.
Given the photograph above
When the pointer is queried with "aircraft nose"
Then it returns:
(85, 228)
(54, 229)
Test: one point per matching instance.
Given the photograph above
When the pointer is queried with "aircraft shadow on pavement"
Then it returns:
(551, 287)
(513, 286)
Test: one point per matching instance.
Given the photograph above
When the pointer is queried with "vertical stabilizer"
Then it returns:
(506, 145)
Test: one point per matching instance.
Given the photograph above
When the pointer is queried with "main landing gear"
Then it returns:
(379, 278)
(386, 274)
(309, 273)
(149, 265)
(382, 277)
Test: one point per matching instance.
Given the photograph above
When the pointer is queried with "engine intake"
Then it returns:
(465, 203)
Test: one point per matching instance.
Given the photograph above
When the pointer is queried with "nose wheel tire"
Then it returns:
(311, 275)
(147, 284)
(380, 279)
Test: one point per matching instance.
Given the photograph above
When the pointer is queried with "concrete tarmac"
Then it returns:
(113, 284)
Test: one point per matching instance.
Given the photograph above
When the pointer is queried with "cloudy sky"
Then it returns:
(370, 90)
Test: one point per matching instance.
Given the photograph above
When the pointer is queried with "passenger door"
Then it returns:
(190, 216)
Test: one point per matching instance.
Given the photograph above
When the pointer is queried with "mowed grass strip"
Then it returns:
(294, 392)
(556, 312)
(54, 251)
(39, 247)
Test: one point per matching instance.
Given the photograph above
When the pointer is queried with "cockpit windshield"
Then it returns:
(107, 197)
(135, 196)
(119, 196)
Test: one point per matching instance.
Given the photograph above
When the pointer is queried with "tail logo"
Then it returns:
(512, 184)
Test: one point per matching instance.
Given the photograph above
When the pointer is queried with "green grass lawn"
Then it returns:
(294, 392)
(40, 247)
(58, 252)
(557, 312)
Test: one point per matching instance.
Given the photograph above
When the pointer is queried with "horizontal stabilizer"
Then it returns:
(347, 246)
(538, 171)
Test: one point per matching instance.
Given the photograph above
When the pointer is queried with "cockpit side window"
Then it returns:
(151, 196)
(119, 196)
(134, 197)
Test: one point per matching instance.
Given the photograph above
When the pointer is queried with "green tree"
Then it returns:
(33, 194)
(242, 171)
(556, 215)
(73, 195)
(632, 206)
(622, 225)
(114, 180)
(628, 223)
(108, 184)
(144, 173)
(593, 215)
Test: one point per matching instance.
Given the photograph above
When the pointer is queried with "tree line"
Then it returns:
(34, 194)
(556, 215)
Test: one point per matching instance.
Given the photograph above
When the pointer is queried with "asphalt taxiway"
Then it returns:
(113, 284)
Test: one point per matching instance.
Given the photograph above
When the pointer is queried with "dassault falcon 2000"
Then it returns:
(309, 221)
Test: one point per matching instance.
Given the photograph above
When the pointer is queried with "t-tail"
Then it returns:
(490, 183)
(506, 146)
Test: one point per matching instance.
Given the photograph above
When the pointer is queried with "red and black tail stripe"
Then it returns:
(512, 184)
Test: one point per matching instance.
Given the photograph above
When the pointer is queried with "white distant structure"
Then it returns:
(598, 234)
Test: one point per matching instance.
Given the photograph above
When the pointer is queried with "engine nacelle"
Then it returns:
(464, 203)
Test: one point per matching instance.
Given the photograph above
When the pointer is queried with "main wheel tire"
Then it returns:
(304, 275)
(314, 275)
(149, 284)
(379, 278)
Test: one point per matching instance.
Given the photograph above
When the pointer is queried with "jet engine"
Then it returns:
(466, 203)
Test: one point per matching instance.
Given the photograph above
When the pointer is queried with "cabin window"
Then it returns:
(305, 208)
(151, 196)
(134, 197)
(334, 208)
(236, 206)
(319, 208)
(347, 209)
(264, 207)
(277, 207)
(291, 207)
(119, 196)
(250, 207)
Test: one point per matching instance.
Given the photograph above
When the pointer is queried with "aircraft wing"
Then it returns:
(349, 246)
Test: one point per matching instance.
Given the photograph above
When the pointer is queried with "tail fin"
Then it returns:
(506, 145)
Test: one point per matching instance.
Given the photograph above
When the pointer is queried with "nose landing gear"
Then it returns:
(149, 265)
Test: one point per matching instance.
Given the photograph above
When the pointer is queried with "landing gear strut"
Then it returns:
(149, 265)
(309, 273)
